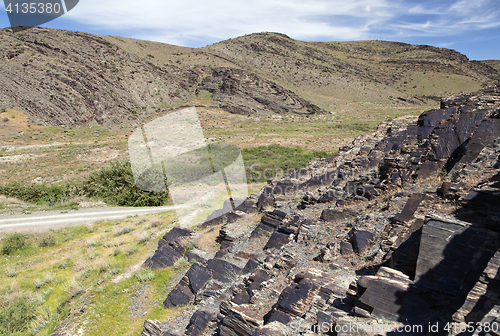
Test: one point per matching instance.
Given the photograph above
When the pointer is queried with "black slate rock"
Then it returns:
(198, 276)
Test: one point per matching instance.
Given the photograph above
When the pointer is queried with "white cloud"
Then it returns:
(175, 21)
(420, 9)
(459, 17)
(466, 7)
(197, 22)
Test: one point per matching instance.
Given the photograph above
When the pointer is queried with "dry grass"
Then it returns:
(80, 258)
(207, 238)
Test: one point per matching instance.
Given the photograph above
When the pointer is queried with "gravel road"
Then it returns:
(56, 219)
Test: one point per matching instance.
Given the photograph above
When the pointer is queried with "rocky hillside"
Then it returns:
(397, 234)
(365, 71)
(66, 78)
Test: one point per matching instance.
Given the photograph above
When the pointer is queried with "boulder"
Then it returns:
(331, 215)
(388, 297)
(222, 270)
(448, 250)
(273, 329)
(181, 295)
(152, 328)
(277, 240)
(362, 240)
(165, 256)
(198, 323)
(170, 249)
(266, 199)
(410, 207)
(240, 321)
(176, 233)
(198, 276)
(346, 248)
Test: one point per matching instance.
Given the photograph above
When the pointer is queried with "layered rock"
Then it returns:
(399, 229)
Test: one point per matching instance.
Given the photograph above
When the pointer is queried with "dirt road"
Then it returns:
(56, 219)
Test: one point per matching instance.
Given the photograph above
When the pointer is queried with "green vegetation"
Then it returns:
(14, 242)
(42, 287)
(115, 185)
(145, 275)
(48, 240)
(16, 316)
(38, 193)
(265, 162)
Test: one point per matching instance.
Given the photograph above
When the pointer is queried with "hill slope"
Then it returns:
(398, 230)
(69, 78)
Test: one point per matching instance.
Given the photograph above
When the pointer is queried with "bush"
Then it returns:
(65, 264)
(115, 271)
(123, 231)
(48, 240)
(37, 193)
(14, 242)
(144, 238)
(132, 251)
(116, 185)
(145, 275)
(15, 318)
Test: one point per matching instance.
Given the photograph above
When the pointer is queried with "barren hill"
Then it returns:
(67, 78)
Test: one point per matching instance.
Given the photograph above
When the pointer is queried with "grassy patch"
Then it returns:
(265, 162)
(14, 242)
(78, 264)
(16, 316)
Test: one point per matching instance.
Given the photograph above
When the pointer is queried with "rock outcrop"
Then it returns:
(399, 230)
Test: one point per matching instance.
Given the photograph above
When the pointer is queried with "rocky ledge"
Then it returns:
(397, 234)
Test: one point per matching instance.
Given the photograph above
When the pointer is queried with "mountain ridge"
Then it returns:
(67, 79)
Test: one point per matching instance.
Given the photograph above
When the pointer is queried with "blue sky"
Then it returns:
(471, 27)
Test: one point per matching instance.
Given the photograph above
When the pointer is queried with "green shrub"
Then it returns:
(48, 240)
(65, 264)
(144, 238)
(86, 274)
(115, 271)
(37, 193)
(116, 185)
(123, 231)
(132, 251)
(91, 244)
(14, 242)
(63, 310)
(145, 275)
(39, 283)
(15, 318)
